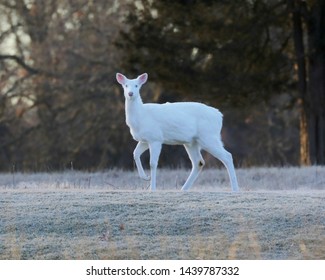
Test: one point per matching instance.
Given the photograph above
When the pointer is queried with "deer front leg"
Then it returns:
(138, 151)
(154, 149)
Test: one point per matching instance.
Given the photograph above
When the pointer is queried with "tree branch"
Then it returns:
(21, 62)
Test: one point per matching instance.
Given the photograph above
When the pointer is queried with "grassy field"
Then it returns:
(279, 214)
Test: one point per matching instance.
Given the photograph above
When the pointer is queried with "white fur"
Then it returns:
(194, 125)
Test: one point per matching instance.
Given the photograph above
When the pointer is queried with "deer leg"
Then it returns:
(219, 152)
(138, 151)
(196, 158)
(155, 149)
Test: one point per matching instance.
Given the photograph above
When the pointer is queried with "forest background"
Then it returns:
(260, 62)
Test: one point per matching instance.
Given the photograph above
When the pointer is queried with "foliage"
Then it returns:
(60, 106)
(68, 105)
(221, 51)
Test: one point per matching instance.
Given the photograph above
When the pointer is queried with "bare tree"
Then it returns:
(308, 18)
(61, 103)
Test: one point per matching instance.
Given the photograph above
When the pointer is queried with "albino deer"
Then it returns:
(194, 125)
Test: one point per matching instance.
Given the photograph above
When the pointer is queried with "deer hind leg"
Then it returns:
(138, 151)
(218, 151)
(155, 149)
(194, 153)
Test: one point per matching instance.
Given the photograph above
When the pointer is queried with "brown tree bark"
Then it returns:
(298, 35)
(311, 81)
(316, 83)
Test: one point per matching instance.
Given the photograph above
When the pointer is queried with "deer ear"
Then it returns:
(143, 78)
(120, 78)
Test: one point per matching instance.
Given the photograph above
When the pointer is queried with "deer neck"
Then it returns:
(133, 111)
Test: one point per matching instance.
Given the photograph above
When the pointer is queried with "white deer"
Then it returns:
(194, 125)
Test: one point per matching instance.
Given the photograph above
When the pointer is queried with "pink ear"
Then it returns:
(143, 78)
(120, 78)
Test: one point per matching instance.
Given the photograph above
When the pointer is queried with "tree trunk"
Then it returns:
(312, 94)
(316, 84)
(295, 7)
(304, 138)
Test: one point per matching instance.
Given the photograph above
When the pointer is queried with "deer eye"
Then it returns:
(126, 85)
(136, 85)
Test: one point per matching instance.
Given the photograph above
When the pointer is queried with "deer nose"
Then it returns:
(130, 93)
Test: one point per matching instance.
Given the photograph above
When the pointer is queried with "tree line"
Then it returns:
(260, 62)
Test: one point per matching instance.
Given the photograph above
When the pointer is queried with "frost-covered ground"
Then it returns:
(279, 214)
(253, 179)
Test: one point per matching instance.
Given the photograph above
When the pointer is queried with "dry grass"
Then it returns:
(279, 214)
